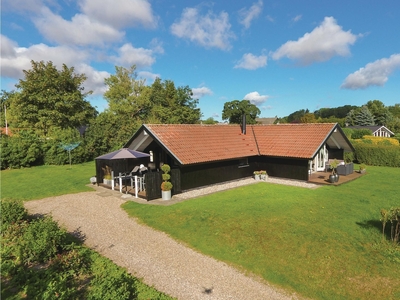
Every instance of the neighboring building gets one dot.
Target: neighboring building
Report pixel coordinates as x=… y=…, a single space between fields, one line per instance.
x=266 y=121
x=201 y=155
x=378 y=130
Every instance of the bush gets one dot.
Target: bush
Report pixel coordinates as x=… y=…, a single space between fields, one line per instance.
x=22 y=150
x=111 y=282
x=12 y=211
x=378 y=140
x=43 y=239
x=348 y=132
x=359 y=133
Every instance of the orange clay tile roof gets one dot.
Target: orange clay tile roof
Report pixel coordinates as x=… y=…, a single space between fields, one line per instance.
x=196 y=143
x=204 y=143
x=292 y=140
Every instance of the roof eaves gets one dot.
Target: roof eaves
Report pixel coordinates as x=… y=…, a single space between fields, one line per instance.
x=133 y=137
x=154 y=136
x=325 y=139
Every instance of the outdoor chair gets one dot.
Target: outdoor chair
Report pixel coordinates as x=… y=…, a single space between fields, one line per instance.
x=134 y=171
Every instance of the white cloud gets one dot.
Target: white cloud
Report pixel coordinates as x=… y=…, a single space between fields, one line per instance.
x=251 y=62
x=31 y=6
x=248 y=15
x=269 y=18
x=81 y=30
x=324 y=42
x=297 y=18
x=95 y=79
x=148 y=76
x=375 y=73
x=129 y=55
x=208 y=30
x=255 y=98
x=201 y=92
x=15 y=59
x=120 y=13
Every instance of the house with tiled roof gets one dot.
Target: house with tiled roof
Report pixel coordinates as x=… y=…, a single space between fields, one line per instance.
x=201 y=155
x=377 y=130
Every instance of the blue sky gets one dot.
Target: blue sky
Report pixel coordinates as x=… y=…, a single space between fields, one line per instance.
x=281 y=55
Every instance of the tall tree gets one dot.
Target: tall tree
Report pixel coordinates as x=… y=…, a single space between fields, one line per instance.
x=171 y=105
x=48 y=98
x=364 y=117
x=127 y=96
x=233 y=112
x=308 y=118
x=382 y=115
x=297 y=115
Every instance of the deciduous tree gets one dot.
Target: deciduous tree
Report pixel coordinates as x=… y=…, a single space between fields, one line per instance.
x=48 y=97
x=234 y=110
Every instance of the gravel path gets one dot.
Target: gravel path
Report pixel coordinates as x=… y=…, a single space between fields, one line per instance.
x=162 y=262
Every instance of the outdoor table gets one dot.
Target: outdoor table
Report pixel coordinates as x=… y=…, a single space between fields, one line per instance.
x=136 y=181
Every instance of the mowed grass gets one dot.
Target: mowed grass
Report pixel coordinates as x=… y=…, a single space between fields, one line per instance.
x=324 y=243
x=46 y=181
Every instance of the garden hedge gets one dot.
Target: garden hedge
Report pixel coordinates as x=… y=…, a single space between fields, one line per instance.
x=377 y=155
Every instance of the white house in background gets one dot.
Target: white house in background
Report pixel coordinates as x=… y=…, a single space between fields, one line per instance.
x=378 y=130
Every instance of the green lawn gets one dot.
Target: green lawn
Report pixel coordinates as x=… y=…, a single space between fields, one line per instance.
x=324 y=243
x=46 y=181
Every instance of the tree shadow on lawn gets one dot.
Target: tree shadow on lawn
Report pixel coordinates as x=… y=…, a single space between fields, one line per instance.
x=368 y=224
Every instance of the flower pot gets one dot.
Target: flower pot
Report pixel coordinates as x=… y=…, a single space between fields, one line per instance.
x=336 y=177
x=332 y=178
x=263 y=177
x=166 y=195
x=107 y=181
x=257 y=177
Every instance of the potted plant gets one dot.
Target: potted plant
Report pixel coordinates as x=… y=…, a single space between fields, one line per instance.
x=257 y=175
x=263 y=175
x=107 y=178
x=363 y=168
x=334 y=177
x=166 y=186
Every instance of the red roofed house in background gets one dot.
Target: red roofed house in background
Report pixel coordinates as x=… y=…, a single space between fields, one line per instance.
x=201 y=155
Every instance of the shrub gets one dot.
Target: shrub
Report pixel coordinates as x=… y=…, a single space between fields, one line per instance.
x=43 y=239
x=12 y=211
x=348 y=157
x=393 y=216
x=166 y=177
x=359 y=133
x=111 y=282
x=166 y=186
x=348 y=132
x=20 y=150
x=378 y=140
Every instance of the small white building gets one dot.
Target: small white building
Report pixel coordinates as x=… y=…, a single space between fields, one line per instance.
x=378 y=130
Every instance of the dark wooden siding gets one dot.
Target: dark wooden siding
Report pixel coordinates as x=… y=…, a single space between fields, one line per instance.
x=290 y=168
x=205 y=174
x=154 y=180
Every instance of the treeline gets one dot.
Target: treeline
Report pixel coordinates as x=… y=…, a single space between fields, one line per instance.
x=49 y=112
x=374 y=112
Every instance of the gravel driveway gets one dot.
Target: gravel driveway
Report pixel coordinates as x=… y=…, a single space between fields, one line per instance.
x=159 y=260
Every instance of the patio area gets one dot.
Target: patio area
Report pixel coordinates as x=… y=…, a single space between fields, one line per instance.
x=323 y=178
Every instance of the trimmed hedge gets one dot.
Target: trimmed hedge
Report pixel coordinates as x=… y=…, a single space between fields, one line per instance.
x=378 y=140
x=377 y=155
